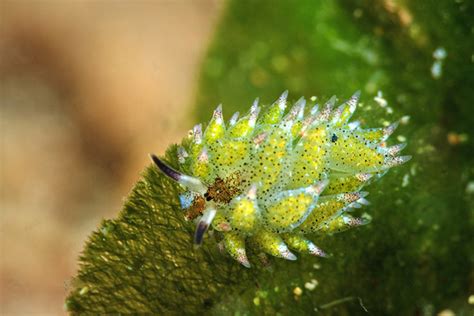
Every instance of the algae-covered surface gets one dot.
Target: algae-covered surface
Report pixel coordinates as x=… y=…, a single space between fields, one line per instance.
x=413 y=60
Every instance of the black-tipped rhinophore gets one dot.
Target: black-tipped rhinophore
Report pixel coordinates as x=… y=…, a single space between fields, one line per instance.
x=167 y=170
x=191 y=183
x=203 y=224
x=201 y=228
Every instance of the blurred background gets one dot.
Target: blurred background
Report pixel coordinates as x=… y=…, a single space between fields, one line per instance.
x=88 y=89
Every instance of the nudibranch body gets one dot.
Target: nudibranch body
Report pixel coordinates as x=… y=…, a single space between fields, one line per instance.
x=266 y=180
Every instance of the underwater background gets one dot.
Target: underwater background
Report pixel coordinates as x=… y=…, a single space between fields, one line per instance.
x=412 y=60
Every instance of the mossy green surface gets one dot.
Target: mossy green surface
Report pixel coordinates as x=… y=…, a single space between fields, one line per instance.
x=144 y=261
x=416 y=257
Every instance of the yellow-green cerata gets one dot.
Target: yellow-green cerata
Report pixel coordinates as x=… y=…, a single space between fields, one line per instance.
x=272 y=176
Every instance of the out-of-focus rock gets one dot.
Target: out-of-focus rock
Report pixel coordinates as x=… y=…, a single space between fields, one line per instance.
x=87 y=90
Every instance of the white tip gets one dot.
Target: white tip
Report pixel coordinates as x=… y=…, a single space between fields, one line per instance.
x=301 y=107
x=314 y=109
x=326 y=112
x=316 y=251
x=330 y=103
x=242 y=258
x=297 y=111
x=234 y=119
x=301 y=103
x=352 y=102
x=197 y=134
x=217 y=115
x=245 y=262
x=396 y=149
x=286 y=253
x=255 y=104
x=363 y=201
x=395 y=161
x=282 y=100
x=254 y=110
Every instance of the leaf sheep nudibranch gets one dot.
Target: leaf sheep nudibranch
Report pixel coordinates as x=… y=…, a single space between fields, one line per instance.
x=266 y=180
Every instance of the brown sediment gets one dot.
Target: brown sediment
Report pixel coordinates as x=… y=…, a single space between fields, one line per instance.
x=223 y=191
x=196 y=208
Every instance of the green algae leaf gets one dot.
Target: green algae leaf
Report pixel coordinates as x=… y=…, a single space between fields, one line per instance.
x=144 y=261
